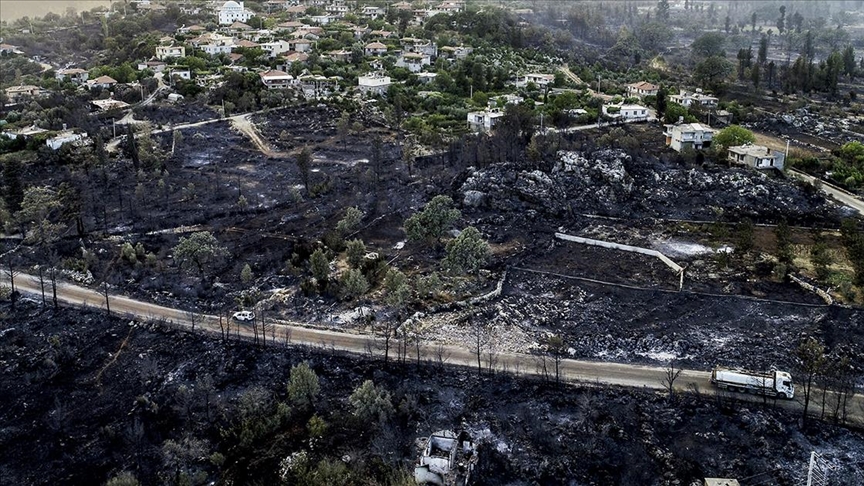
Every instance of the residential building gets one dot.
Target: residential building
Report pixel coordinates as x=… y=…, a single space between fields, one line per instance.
x=372 y=12
x=642 y=88
x=626 y=112
x=165 y=52
x=682 y=136
x=341 y=55
x=290 y=26
x=484 y=121
x=276 y=48
x=26 y=133
x=7 y=49
x=18 y=93
x=64 y=137
x=104 y=82
x=155 y=66
x=460 y=52
x=337 y=9
x=315 y=86
x=375 y=49
x=276 y=79
x=216 y=49
x=323 y=19
x=232 y=11
x=109 y=104
x=300 y=45
x=426 y=78
x=373 y=84
x=382 y=33
x=538 y=79
x=504 y=100
x=686 y=98
x=181 y=72
x=447 y=458
x=421 y=46
x=413 y=61
x=756 y=156
x=75 y=75
x=192 y=29
x=290 y=58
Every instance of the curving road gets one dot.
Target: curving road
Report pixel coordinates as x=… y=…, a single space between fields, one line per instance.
x=604 y=373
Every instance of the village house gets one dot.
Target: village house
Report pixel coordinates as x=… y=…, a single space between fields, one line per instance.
x=341 y=55
x=26 y=133
x=236 y=28
x=155 y=66
x=276 y=5
x=686 y=98
x=109 y=104
x=7 y=49
x=165 y=52
x=295 y=11
x=216 y=49
x=300 y=45
x=338 y=8
x=756 y=156
x=289 y=58
x=64 y=137
x=373 y=84
x=232 y=11
x=426 y=78
x=688 y=136
x=538 y=79
x=315 y=86
x=104 y=82
x=75 y=75
x=375 y=49
x=372 y=11
x=413 y=61
x=384 y=34
x=290 y=26
x=642 y=88
x=504 y=100
x=446 y=458
x=421 y=46
x=626 y=112
x=192 y=29
x=181 y=72
x=276 y=79
x=484 y=121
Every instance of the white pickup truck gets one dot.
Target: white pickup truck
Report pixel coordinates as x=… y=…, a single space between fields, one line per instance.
x=773 y=383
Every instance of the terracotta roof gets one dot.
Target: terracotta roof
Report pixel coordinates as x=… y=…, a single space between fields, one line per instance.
x=103 y=80
x=375 y=45
x=645 y=85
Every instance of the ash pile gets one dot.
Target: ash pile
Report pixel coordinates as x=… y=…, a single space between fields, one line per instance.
x=610 y=182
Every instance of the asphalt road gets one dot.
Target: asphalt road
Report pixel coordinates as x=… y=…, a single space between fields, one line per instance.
x=600 y=373
x=840 y=195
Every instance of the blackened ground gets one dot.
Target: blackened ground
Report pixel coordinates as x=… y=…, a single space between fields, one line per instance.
x=75 y=411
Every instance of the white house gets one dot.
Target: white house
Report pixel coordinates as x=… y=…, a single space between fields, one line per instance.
x=373 y=84
x=276 y=48
x=155 y=66
x=103 y=82
x=276 y=79
x=756 y=156
x=315 y=86
x=626 y=112
x=164 y=52
x=216 y=49
x=18 y=93
x=375 y=49
x=300 y=45
x=372 y=11
x=538 y=79
x=504 y=100
x=64 y=137
x=109 y=104
x=642 y=88
x=693 y=136
x=75 y=75
x=413 y=61
x=685 y=98
x=181 y=72
x=232 y=11
x=484 y=121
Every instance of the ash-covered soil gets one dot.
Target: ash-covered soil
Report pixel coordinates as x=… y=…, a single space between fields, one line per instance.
x=697 y=331
x=85 y=397
x=610 y=182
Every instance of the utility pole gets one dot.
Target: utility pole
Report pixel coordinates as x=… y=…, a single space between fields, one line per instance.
x=107 y=302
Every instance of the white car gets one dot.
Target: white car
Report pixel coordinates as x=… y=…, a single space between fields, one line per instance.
x=244 y=316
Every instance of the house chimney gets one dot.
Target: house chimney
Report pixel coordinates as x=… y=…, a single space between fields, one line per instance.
x=680 y=119
x=64 y=127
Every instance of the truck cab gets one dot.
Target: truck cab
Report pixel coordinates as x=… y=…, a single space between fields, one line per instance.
x=783 y=384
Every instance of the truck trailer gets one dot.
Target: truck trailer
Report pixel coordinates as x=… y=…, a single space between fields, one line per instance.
x=773 y=383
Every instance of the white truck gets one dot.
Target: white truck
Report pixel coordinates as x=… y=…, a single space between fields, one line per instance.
x=773 y=383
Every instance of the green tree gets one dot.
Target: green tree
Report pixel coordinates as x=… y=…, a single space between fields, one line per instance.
x=713 y=71
x=744 y=236
x=350 y=222
x=198 y=250
x=762 y=55
x=397 y=289
x=13 y=193
x=661 y=101
x=319 y=265
x=849 y=62
x=246 y=274
x=732 y=136
x=781 y=22
x=783 y=234
x=431 y=223
x=39 y=206
x=303 y=387
x=675 y=112
x=354 y=284
x=371 y=403
x=355 y=251
x=820 y=257
x=467 y=252
x=709 y=45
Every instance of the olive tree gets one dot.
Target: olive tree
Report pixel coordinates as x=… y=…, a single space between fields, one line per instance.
x=198 y=250
x=349 y=222
x=431 y=223
x=303 y=387
x=371 y=403
x=467 y=252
